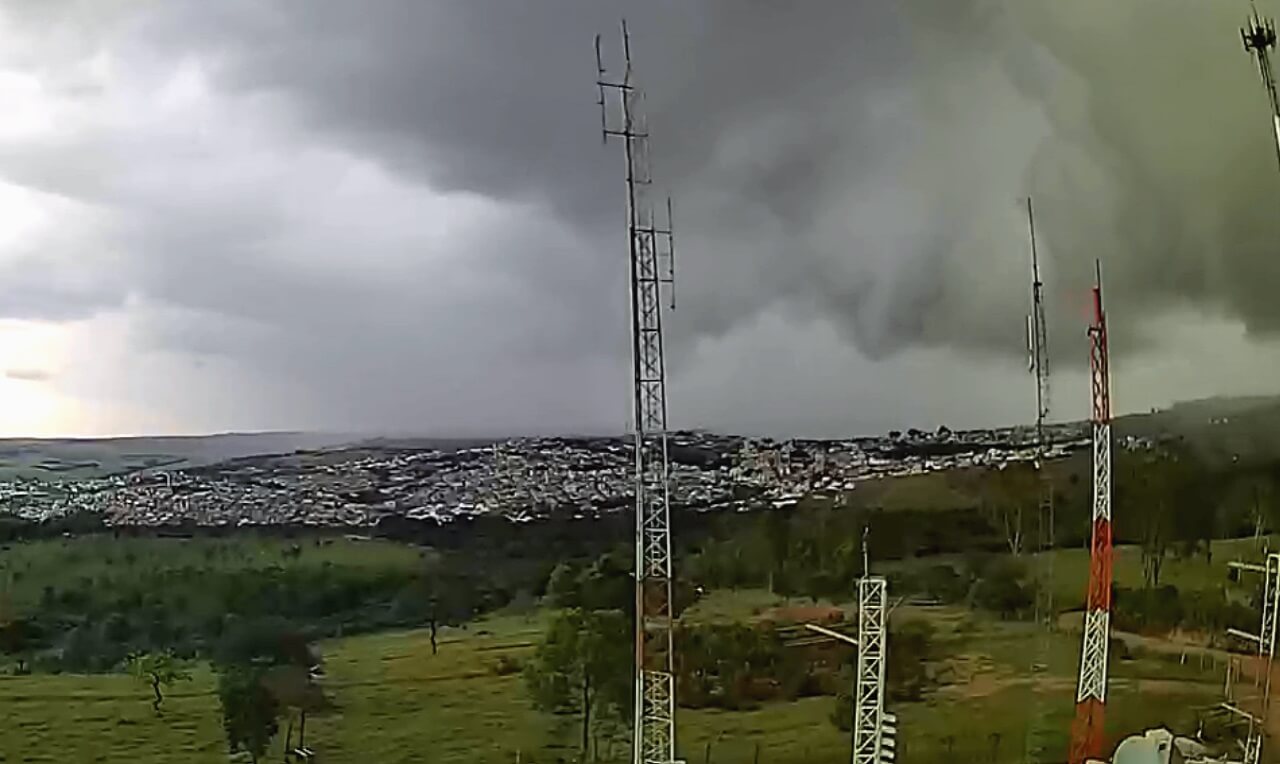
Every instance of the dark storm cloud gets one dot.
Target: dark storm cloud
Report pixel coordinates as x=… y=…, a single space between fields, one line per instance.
x=856 y=163
x=1139 y=126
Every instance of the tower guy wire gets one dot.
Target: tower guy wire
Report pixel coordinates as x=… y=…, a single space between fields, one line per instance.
x=651 y=258
x=1091 y=692
x=1259 y=37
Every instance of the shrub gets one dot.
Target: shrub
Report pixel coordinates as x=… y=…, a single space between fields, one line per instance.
x=507 y=665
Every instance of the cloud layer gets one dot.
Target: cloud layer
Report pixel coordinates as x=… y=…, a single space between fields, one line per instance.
x=398 y=215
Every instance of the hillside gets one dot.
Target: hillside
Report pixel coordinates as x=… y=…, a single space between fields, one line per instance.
x=1220 y=428
x=82 y=458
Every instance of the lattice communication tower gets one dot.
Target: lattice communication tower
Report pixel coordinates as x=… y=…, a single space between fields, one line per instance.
x=1265 y=643
x=1039 y=737
x=1259 y=37
x=1091 y=692
x=652 y=268
x=868 y=699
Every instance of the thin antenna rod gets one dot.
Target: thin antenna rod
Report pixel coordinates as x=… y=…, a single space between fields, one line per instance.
x=866 y=550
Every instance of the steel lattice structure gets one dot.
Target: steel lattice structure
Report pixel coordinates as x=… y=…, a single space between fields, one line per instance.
x=868 y=697
x=1038 y=736
x=651 y=260
x=1265 y=642
x=1091 y=692
x=1259 y=39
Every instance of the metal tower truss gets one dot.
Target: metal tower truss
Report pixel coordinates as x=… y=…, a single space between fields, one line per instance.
x=651 y=260
x=1091 y=692
x=1259 y=39
x=1265 y=643
x=868 y=698
x=1039 y=736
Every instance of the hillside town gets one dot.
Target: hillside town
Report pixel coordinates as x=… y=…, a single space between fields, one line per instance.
x=520 y=479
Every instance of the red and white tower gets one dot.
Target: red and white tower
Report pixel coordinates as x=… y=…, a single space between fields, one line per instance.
x=1091 y=693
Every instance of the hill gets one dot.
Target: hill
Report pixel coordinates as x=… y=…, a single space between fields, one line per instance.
x=1221 y=429
x=81 y=458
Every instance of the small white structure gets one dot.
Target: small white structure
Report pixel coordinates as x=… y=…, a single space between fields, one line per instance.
x=1158 y=746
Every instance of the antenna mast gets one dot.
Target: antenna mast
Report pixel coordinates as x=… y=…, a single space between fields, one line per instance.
x=1037 y=741
x=652 y=266
x=1091 y=693
x=874 y=729
x=1038 y=336
x=1259 y=38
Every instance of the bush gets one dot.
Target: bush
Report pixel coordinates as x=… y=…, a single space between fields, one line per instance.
x=1148 y=610
x=507 y=665
x=943 y=583
x=1003 y=588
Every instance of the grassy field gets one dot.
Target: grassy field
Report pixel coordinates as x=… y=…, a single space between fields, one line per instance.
x=398 y=703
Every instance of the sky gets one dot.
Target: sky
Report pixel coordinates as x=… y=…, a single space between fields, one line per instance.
x=398 y=216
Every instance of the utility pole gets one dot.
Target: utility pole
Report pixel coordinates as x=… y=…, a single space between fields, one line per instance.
x=1259 y=37
x=652 y=267
x=1265 y=642
x=1038 y=734
x=1091 y=692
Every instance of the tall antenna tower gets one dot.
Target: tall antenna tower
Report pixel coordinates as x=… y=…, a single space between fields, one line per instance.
x=874 y=731
x=1037 y=334
x=1259 y=37
x=1265 y=642
x=1037 y=743
x=652 y=265
x=868 y=699
x=1091 y=692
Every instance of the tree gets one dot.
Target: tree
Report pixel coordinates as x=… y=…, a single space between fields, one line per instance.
x=1003 y=588
x=159 y=670
x=250 y=713
x=299 y=694
x=1151 y=489
x=18 y=635
x=264 y=667
x=583 y=667
x=564 y=587
x=1003 y=494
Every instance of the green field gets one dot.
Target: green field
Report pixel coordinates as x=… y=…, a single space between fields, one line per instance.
x=398 y=702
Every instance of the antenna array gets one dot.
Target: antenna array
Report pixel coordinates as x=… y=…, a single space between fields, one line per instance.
x=1259 y=37
x=652 y=267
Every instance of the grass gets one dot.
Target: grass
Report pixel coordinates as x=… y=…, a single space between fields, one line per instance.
x=1071 y=569
x=398 y=702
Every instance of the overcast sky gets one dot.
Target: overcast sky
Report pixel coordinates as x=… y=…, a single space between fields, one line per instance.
x=397 y=215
